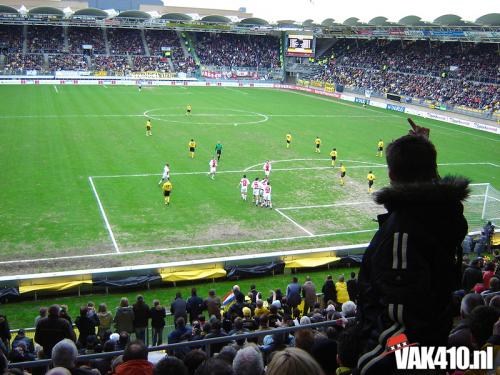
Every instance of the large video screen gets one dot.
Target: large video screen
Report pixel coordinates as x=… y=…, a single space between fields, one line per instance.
x=300 y=45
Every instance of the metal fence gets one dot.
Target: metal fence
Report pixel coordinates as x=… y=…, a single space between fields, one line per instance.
x=203 y=344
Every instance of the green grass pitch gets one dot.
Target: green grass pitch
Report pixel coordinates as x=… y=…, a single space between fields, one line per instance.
x=52 y=139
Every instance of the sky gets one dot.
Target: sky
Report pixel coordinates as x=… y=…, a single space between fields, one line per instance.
x=365 y=10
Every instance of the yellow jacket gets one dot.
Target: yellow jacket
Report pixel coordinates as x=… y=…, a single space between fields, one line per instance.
x=342 y=295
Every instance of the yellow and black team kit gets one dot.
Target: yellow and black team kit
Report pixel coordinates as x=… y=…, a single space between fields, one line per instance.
x=188 y=110
x=148 y=128
x=167 y=189
x=317 y=142
x=333 y=155
x=192 y=148
x=288 y=140
x=342 y=174
x=380 y=148
x=370 y=177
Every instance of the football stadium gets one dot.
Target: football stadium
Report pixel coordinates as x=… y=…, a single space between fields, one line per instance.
x=299 y=197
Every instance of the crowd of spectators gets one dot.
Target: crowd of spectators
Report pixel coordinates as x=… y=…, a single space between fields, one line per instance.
x=196 y=318
x=231 y=50
x=18 y=63
x=11 y=39
x=125 y=42
x=67 y=62
x=334 y=349
x=453 y=73
x=157 y=39
x=112 y=64
x=45 y=39
x=151 y=63
x=78 y=36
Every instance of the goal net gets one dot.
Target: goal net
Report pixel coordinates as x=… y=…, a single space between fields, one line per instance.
x=483 y=205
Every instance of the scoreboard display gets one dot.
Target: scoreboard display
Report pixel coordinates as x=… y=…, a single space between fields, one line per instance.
x=300 y=45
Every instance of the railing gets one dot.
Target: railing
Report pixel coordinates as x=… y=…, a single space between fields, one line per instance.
x=204 y=344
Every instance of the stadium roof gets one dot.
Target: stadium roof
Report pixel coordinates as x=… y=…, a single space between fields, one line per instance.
x=411 y=21
x=328 y=22
x=352 y=21
x=93 y=12
x=379 y=21
x=216 y=19
x=176 y=17
x=491 y=19
x=254 y=21
x=5 y=9
x=449 y=20
x=46 y=11
x=134 y=14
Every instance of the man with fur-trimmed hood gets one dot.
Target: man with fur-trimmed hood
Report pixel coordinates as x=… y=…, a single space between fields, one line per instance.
x=413 y=262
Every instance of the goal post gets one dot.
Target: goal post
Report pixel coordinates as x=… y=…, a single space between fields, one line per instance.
x=483 y=205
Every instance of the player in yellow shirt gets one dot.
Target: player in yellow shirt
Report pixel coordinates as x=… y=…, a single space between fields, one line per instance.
x=288 y=140
x=317 y=142
x=148 y=128
x=333 y=154
x=188 y=109
x=380 y=148
x=192 y=147
x=167 y=189
x=342 y=174
x=370 y=177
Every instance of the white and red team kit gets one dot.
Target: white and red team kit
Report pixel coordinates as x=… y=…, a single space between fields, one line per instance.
x=256 y=189
x=213 y=165
x=267 y=168
x=244 y=185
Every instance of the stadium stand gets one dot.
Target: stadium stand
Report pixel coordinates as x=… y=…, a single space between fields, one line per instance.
x=125 y=42
x=11 y=39
x=447 y=72
x=78 y=36
x=45 y=39
x=237 y=50
x=270 y=322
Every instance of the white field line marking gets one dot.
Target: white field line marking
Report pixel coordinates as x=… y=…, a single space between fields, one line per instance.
x=294 y=222
x=103 y=214
x=250 y=169
x=105 y=86
x=168 y=249
x=421 y=119
x=173 y=115
x=332 y=100
x=55 y=88
x=239 y=91
x=311 y=159
x=325 y=205
x=241 y=171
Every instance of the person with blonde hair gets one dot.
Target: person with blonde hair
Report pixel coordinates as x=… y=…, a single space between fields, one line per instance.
x=293 y=361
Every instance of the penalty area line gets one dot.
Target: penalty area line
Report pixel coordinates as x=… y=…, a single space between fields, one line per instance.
x=294 y=222
x=104 y=216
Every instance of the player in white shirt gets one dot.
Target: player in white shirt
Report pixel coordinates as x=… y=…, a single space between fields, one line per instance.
x=267 y=168
x=267 y=196
x=166 y=174
x=262 y=185
x=213 y=168
x=256 y=190
x=244 y=187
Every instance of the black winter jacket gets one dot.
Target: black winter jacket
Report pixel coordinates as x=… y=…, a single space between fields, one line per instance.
x=411 y=265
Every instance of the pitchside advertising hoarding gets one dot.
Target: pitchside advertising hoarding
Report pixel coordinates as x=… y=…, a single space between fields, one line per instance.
x=300 y=45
